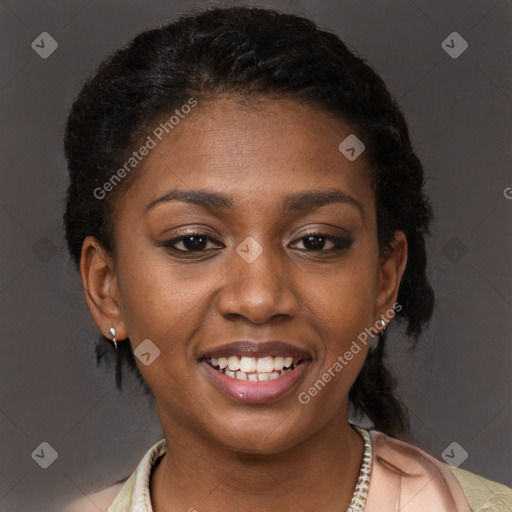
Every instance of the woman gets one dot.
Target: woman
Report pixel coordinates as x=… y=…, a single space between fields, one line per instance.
x=248 y=216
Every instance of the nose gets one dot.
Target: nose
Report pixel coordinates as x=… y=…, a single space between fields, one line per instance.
x=258 y=291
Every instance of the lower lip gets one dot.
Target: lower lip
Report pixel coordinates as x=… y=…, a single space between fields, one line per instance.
x=255 y=392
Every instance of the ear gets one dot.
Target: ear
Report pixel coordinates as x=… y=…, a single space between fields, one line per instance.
x=99 y=282
x=392 y=267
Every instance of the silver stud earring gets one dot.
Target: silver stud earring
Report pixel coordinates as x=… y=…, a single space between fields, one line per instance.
x=383 y=323
x=113 y=332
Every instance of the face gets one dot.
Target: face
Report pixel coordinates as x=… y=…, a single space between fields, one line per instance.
x=278 y=252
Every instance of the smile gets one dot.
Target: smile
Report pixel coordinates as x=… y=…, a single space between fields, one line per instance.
x=254 y=368
x=251 y=380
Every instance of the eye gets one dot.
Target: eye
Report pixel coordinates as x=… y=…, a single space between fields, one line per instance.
x=315 y=241
x=191 y=242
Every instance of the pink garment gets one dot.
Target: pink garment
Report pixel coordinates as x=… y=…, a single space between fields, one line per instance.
x=403 y=479
x=406 y=479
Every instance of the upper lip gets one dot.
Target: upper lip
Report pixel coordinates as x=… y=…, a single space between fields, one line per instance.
x=258 y=349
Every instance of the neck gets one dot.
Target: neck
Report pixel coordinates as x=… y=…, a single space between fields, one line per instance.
x=318 y=474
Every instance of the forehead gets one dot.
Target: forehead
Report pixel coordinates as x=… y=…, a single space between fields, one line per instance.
x=253 y=151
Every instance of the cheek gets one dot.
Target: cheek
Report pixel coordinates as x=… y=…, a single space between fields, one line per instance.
x=158 y=307
x=342 y=300
x=162 y=301
x=342 y=305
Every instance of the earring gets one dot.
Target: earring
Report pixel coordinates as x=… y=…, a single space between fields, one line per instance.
x=113 y=332
x=383 y=323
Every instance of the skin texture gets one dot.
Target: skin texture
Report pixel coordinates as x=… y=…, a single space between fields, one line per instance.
x=222 y=454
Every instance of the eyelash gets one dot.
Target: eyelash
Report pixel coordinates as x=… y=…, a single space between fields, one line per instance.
x=340 y=243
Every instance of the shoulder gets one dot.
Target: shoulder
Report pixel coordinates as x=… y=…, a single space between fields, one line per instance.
x=99 y=500
x=484 y=495
x=422 y=479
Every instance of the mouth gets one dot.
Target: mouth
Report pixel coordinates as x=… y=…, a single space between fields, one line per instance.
x=255 y=372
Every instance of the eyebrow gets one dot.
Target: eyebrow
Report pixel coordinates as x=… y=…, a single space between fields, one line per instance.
x=300 y=201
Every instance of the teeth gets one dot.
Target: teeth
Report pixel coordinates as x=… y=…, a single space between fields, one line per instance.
x=233 y=363
x=253 y=377
x=279 y=363
x=252 y=364
x=265 y=364
x=248 y=364
x=253 y=368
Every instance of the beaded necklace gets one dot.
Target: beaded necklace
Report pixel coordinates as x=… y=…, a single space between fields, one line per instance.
x=358 y=501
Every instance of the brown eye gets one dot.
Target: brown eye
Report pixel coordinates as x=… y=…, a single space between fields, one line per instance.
x=191 y=242
x=194 y=242
x=316 y=242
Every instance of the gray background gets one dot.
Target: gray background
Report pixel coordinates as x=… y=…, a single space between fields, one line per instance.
x=457 y=382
